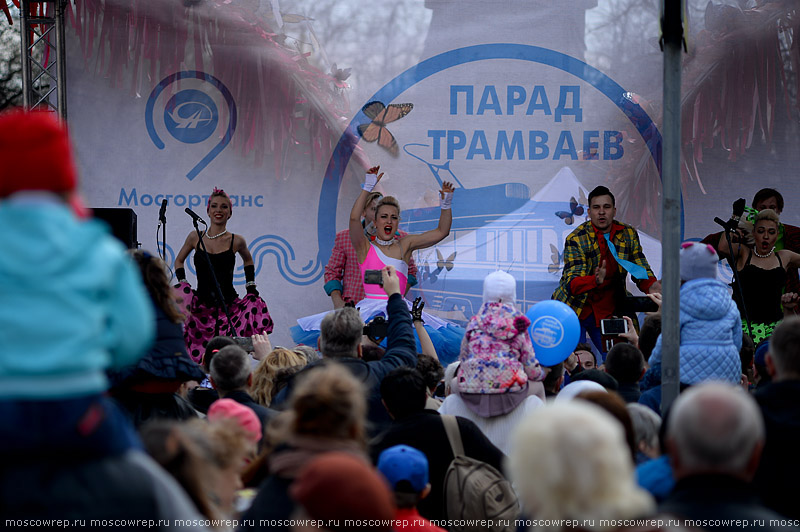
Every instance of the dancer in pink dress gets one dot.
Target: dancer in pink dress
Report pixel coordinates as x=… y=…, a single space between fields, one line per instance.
x=384 y=248
x=206 y=317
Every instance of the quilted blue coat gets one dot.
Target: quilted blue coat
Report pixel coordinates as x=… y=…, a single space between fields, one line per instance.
x=711 y=333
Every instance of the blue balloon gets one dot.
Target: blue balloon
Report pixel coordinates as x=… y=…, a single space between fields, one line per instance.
x=555 y=330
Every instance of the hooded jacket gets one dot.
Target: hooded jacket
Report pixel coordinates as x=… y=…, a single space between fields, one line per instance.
x=72 y=303
x=711 y=334
x=496 y=353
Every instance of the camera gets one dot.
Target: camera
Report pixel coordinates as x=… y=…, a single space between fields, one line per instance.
x=377 y=329
x=245 y=342
x=373 y=277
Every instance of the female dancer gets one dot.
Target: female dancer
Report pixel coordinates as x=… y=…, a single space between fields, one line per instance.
x=762 y=272
x=383 y=249
x=206 y=315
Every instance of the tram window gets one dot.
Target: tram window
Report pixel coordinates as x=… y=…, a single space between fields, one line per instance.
x=486 y=248
x=532 y=249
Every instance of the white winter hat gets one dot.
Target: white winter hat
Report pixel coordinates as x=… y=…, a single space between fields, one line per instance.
x=499 y=287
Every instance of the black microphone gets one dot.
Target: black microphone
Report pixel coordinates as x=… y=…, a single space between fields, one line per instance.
x=194 y=216
x=162 y=213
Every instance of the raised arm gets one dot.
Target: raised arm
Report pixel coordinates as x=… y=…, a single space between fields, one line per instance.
x=425 y=341
x=180 y=259
x=738 y=240
x=434 y=236
x=356 y=230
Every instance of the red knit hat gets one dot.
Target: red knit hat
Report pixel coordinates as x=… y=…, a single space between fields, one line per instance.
x=338 y=485
x=35 y=153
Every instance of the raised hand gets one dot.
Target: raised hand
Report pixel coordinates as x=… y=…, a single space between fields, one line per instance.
x=600 y=273
x=447 y=187
x=416 y=309
x=630 y=335
x=655 y=288
x=391 y=283
x=261 y=346
x=372 y=178
x=374 y=170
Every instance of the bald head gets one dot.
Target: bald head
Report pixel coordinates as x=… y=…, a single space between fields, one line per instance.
x=715 y=428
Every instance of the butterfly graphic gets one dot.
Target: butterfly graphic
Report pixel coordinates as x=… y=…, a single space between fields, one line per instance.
x=340 y=75
x=380 y=116
x=556 y=257
x=428 y=275
x=442 y=263
x=575 y=209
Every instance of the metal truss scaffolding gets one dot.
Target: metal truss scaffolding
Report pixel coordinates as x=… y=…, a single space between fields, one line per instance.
x=44 y=67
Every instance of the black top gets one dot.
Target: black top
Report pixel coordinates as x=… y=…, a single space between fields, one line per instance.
x=778 y=471
x=243 y=398
x=425 y=431
x=762 y=292
x=223 y=264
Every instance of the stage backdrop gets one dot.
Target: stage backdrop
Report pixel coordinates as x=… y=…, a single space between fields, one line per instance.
x=525 y=105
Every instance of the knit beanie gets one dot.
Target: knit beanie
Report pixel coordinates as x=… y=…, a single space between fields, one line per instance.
x=244 y=416
x=36 y=154
x=698 y=261
x=499 y=287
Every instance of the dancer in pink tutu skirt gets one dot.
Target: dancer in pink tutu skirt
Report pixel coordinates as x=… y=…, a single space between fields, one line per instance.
x=206 y=316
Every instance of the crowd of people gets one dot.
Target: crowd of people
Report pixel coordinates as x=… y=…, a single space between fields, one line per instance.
x=127 y=400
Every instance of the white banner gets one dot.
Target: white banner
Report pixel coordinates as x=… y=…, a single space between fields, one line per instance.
x=525 y=105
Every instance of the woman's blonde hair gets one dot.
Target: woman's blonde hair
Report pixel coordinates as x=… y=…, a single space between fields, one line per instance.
x=570 y=461
x=749 y=228
x=263 y=387
x=767 y=214
x=388 y=200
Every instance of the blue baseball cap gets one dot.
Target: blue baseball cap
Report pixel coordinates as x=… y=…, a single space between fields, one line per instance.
x=402 y=462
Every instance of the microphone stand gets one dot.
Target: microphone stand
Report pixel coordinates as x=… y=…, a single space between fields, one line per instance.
x=216 y=283
x=163 y=250
x=736 y=280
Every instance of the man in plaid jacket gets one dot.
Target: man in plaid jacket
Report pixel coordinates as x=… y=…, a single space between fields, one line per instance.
x=343 y=282
x=593 y=282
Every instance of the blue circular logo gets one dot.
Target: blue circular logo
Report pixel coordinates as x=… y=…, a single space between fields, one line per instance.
x=191 y=116
x=547 y=331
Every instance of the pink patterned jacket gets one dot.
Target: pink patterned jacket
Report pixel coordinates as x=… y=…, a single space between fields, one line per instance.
x=496 y=353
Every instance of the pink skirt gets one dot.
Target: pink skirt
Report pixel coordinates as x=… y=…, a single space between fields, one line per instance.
x=249 y=315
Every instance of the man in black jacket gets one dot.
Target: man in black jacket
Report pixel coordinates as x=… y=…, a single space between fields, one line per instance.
x=625 y=363
x=340 y=340
x=778 y=472
x=404 y=395
x=715 y=435
x=231 y=376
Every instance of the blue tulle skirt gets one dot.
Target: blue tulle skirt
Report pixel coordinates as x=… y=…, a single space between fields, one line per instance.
x=446 y=336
